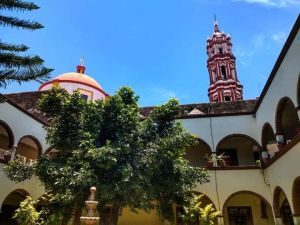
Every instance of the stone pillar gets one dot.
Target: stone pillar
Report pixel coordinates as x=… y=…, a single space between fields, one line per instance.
x=280 y=140
x=278 y=221
x=220 y=220
x=296 y=219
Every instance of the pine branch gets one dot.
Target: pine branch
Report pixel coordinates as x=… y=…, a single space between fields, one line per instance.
x=12 y=48
x=10 y=60
x=15 y=22
x=24 y=75
x=17 y=5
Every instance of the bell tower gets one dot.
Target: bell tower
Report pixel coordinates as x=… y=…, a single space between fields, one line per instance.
x=224 y=83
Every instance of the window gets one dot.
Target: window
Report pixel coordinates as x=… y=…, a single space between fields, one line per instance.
x=220 y=50
x=227 y=98
x=223 y=72
x=85 y=97
x=240 y=215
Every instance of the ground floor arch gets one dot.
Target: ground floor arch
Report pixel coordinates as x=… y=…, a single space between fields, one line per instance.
x=205 y=200
x=296 y=196
x=247 y=208
x=10 y=204
x=282 y=207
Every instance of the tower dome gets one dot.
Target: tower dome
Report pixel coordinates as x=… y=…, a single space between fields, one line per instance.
x=89 y=88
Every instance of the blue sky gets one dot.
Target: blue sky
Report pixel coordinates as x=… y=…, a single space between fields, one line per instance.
x=157 y=47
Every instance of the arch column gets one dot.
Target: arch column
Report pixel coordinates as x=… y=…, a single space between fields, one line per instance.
x=296 y=219
x=220 y=220
x=298 y=113
x=278 y=221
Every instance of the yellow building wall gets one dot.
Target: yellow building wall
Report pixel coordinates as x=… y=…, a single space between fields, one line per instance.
x=141 y=218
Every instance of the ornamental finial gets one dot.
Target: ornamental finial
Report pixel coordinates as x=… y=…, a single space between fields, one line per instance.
x=82 y=61
x=216 y=25
x=81 y=67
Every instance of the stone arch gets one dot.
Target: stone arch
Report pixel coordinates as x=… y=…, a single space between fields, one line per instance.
x=205 y=200
x=298 y=91
x=6 y=142
x=255 y=207
x=296 y=196
x=239 y=149
x=267 y=135
x=6 y=131
x=29 y=147
x=287 y=120
x=197 y=154
x=281 y=206
x=10 y=204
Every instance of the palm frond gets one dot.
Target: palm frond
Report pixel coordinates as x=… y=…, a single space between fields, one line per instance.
x=37 y=73
x=10 y=60
x=17 y=5
x=15 y=22
x=12 y=47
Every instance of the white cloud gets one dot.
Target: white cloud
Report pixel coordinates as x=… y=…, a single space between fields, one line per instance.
x=272 y=3
x=279 y=37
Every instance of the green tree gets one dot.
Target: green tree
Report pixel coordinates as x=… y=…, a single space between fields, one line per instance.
x=133 y=162
x=26 y=213
x=13 y=66
x=193 y=210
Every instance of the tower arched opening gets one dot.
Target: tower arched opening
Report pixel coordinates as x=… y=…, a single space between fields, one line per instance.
x=10 y=204
x=223 y=72
x=287 y=120
x=28 y=148
x=238 y=150
x=246 y=207
x=282 y=208
x=197 y=154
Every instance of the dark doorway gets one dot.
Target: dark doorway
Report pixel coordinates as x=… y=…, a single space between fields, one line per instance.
x=230 y=156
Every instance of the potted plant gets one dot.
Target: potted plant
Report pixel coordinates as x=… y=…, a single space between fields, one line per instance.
x=214 y=160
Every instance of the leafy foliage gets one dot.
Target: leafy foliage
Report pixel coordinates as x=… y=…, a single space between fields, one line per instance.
x=15 y=67
x=18 y=171
x=133 y=163
x=26 y=214
x=194 y=211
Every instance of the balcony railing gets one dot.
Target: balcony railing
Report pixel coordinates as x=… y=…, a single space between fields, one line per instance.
x=25 y=159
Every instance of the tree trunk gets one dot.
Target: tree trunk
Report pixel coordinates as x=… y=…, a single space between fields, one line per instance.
x=78 y=212
x=101 y=210
x=65 y=220
x=115 y=214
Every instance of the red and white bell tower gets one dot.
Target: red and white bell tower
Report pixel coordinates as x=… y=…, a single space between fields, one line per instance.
x=224 y=84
